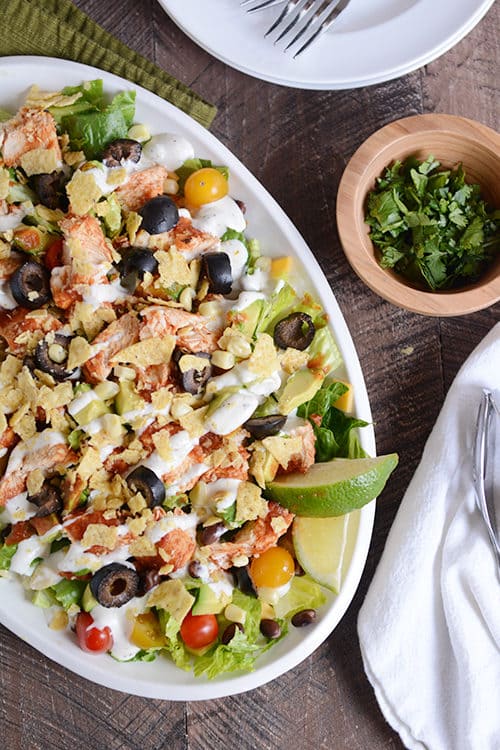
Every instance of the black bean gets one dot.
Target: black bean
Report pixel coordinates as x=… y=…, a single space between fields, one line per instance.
x=229 y=632
x=210 y=534
x=270 y=628
x=243 y=580
x=303 y=618
x=149 y=580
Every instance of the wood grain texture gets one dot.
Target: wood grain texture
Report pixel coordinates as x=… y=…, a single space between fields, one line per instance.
x=297 y=143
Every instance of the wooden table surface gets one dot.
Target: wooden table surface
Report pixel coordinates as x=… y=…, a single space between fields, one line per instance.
x=297 y=143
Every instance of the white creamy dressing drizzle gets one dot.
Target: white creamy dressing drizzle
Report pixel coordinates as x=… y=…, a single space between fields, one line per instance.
x=271 y=594
x=245 y=299
x=33 y=445
x=194 y=471
x=96 y=295
x=28 y=550
x=258 y=281
x=14 y=218
x=7 y=301
x=181 y=445
x=214 y=218
x=185 y=522
x=168 y=149
x=238 y=257
x=81 y=401
x=18 y=508
x=120 y=620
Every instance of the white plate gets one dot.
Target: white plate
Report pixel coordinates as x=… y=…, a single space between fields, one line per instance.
x=371 y=41
x=161 y=679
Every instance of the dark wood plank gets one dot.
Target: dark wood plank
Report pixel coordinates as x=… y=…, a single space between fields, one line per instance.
x=297 y=143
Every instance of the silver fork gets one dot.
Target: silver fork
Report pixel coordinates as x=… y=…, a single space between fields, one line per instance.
x=308 y=18
x=484 y=461
x=260 y=5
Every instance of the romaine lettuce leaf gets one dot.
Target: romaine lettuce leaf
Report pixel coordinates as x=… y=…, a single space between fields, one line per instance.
x=304 y=593
x=68 y=592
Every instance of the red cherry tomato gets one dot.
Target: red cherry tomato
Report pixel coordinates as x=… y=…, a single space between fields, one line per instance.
x=91 y=639
x=53 y=254
x=198 y=631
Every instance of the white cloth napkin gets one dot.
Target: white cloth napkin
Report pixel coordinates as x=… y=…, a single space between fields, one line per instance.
x=429 y=627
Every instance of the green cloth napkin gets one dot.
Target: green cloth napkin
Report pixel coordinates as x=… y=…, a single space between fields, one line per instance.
x=57 y=28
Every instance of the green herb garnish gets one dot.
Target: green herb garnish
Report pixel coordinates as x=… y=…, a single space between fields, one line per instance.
x=432 y=226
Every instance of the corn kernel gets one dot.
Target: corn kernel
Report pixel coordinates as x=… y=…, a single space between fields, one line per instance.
x=124 y=373
x=57 y=353
x=171 y=187
x=223 y=360
x=186 y=298
x=234 y=613
x=209 y=309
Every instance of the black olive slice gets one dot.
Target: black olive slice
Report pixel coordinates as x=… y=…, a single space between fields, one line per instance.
x=159 y=215
x=262 y=427
x=30 y=285
x=48 y=500
x=50 y=189
x=192 y=379
x=217 y=268
x=146 y=482
x=243 y=580
x=134 y=264
x=296 y=330
x=114 y=585
x=44 y=361
x=120 y=150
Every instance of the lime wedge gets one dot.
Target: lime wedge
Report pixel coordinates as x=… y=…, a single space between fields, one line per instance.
x=334 y=487
x=320 y=546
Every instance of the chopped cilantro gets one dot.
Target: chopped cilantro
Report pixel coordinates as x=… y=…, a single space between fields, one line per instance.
x=432 y=226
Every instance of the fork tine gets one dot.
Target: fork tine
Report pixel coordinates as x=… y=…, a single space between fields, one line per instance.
x=336 y=9
x=297 y=17
x=262 y=5
x=289 y=7
x=309 y=18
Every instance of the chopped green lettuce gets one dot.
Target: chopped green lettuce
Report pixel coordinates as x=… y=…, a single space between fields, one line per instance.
x=304 y=593
x=323 y=352
x=7 y=552
x=68 y=592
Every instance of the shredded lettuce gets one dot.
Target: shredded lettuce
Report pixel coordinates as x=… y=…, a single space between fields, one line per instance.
x=304 y=593
x=7 y=552
x=68 y=592
x=90 y=122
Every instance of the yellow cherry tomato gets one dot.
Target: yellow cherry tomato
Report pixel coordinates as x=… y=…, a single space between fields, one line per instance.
x=147 y=632
x=273 y=568
x=204 y=186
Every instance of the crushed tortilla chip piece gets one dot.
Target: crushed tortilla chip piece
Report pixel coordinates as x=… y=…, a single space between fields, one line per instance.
x=39 y=161
x=101 y=535
x=153 y=351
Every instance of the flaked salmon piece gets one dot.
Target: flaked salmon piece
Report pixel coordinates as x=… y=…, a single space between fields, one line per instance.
x=190 y=240
x=178 y=547
x=47 y=457
x=152 y=378
x=303 y=459
x=141 y=187
x=116 y=336
x=20 y=320
x=236 y=466
x=254 y=538
x=63 y=293
x=28 y=130
x=191 y=330
x=8 y=439
x=85 y=245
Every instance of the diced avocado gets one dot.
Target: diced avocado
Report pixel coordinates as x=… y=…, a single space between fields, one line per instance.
x=263 y=465
x=94 y=409
x=208 y=602
x=88 y=600
x=249 y=318
x=300 y=387
x=127 y=399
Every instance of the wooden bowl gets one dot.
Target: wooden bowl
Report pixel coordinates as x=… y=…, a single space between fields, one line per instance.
x=451 y=140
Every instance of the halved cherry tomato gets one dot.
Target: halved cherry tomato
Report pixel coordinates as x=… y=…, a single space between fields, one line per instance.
x=274 y=567
x=53 y=254
x=91 y=639
x=198 y=631
x=204 y=186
